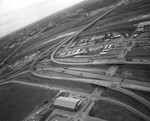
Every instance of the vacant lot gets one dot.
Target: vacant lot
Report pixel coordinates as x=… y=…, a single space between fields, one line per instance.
x=135 y=72
x=18 y=101
x=112 y=112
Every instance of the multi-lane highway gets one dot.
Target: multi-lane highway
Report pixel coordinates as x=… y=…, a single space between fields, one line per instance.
x=93 y=70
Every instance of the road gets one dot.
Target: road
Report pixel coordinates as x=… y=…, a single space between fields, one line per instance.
x=133 y=84
x=84 y=28
x=71 y=71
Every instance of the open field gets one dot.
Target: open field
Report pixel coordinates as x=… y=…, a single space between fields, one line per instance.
x=109 y=111
x=135 y=72
x=17 y=101
x=127 y=100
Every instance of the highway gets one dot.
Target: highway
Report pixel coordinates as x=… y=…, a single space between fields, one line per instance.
x=112 y=82
x=71 y=71
x=118 y=81
x=84 y=28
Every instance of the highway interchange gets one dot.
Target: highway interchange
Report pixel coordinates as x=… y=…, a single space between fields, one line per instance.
x=86 y=70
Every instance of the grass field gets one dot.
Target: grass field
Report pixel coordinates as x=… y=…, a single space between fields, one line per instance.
x=17 y=101
x=127 y=100
x=135 y=72
x=112 y=112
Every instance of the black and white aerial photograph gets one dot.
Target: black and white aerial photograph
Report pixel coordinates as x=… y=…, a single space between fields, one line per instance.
x=74 y=60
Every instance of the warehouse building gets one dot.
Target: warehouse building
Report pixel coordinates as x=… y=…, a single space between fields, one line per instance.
x=67 y=103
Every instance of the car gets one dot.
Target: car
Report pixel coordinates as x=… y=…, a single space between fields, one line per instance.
x=62 y=54
x=106 y=46
x=63 y=70
x=116 y=36
x=110 y=46
x=107 y=39
x=128 y=59
x=135 y=35
x=103 y=53
x=105 y=50
x=65 y=67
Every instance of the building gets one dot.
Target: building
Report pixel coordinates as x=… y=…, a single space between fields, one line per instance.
x=144 y=24
x=68 y=103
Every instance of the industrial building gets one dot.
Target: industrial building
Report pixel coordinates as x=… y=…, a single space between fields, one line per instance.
x=68 y=103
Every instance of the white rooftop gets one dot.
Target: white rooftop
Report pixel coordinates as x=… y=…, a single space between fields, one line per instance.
x=67 y=102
